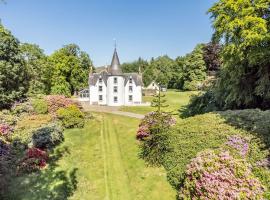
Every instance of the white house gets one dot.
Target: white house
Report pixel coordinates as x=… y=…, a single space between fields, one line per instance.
x=152 y=86
x=113 y=88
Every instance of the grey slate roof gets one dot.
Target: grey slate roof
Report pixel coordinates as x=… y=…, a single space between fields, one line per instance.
x=115 y=70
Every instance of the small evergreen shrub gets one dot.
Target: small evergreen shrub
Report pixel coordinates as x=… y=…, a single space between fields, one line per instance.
x=220 y=176
x=47 y=137
x=71 y=117
x=40 y=106
x=57 y=101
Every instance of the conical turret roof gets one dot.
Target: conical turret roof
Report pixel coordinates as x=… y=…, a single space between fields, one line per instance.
x=115 y=68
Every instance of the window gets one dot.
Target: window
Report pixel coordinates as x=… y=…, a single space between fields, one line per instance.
x=115 y=80
x=100 y=80
x=130 y=98
x=115 y=99
x=130 y=80
x=84 y=93
x=130 y=89
x=153 y=84
x=100 y=97
x=115 y=89
x=100 y=88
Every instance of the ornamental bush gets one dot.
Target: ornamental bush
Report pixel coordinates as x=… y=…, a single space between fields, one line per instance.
x=6 y=131
x=153 y=134
x=71 y=117
x=220 y=176
x=40 y=106
x=47 y=137
x=34 y=160
x=20 y=108
x=57 y=101
x=151 y=120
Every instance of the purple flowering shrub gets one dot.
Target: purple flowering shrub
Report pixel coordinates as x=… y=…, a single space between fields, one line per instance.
x=238 y=144
x=151 y=120
x=220 y=176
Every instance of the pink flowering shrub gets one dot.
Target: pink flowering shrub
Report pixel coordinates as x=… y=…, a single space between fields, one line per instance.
x=152 y=120
x=220 y=176
x=57 y=101
x=239 y=144
x=34 y=160
x=5 y=130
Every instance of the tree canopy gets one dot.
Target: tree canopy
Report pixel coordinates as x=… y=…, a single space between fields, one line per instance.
x=70 y=68
x=244 y=26
x=14 y=78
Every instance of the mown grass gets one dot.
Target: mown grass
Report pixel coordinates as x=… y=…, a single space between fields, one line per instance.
x=175 y=100
x=97 y=162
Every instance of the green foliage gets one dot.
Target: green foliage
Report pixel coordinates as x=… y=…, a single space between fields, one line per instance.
x=203 y=103
x=70 y=70
x=71 y=117
x=13 y=72
x=159 y=101
x=194 y=69
x=38 y=68
x=48 y=136
x=245 y=29
x=40 y=106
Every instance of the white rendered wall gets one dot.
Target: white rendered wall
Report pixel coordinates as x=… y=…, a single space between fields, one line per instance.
x=152 y=87
x=120 y=92
x=94 y=93
x=136 y=94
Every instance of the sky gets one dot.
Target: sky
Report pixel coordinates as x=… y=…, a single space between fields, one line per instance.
x=142 y=28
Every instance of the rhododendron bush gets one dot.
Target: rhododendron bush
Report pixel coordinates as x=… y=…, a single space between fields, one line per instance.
x=57 y=101
x=34 y=159
x=152 y=120
x=220 y=176
x=153 y=134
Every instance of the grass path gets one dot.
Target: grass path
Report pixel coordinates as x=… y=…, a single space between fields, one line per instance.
x=98 y=162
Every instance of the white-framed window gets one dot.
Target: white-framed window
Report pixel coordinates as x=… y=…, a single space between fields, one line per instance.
x=130 y=88
x=130 y=98
x=115 y=99
x=100 y=80
x=130 y=80
x=115 y=89
x=115 y=80
x=84 y=93
x=100 y=98
x=100 y=88
x=153 y=84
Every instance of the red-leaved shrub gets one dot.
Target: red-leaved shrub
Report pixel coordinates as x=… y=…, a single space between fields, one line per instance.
x=34 y=159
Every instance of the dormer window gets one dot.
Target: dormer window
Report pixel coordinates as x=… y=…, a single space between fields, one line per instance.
x=114 y=80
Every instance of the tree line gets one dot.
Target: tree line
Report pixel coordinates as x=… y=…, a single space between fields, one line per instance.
x=25 y=70
x=184 y=73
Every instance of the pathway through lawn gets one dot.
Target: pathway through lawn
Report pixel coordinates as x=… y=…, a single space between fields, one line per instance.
x=114 y=172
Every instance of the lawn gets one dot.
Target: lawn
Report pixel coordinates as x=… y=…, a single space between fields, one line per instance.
x=99 y=161
x=175 y=99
